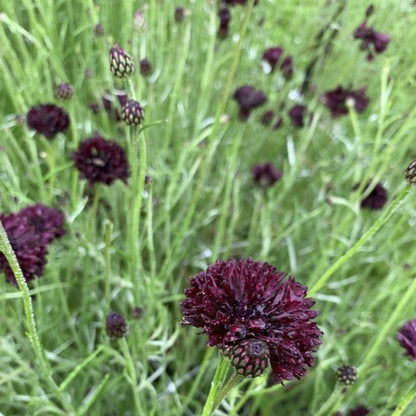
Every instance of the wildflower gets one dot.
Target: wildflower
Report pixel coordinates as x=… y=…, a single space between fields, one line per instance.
x=407 y=338
x=101 y=160
x=64 y=91
x=225 y=18
x=265 y=174
x=371 y=40
x=137 y=312
x=27 y=245
x=287 y=67
x=145 y=67
x=132 y=113
x=116 y=326
x=139 y=20
x=46 y=222
x=376 y=199
x=99 y=30
x=121 y=64
x=250 y=311
x=272 y=56
x=410 y=173
x=296 y=114
x=359 y=411
x=248 y=98
x=347 y=374
x=47 y=119
x=179 y=14
x=336 y=100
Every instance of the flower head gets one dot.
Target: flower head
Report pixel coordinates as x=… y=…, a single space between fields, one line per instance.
x=410 y=173
x=371 y=40
x=376 y=199
x=132 y=113
x=64 y=91
x=296 y=114
x=116 y=326
x=347 y=374
x=336 y=100
x=121 y=64
x=101 y=160
x=225 y=18
x=47 y=119
x=265 y=174
x=238 y=302
x=272 y=56
x=145 y=67
x=359 y=411
x=287 y=67
x=407 y=338
x=248 y=98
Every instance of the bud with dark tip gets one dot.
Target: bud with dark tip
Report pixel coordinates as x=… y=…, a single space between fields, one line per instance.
x=250 y=357
x=132 y=113
x=116 y=326
x=121 y=64
x=410 y=173
x=145 y=67
x=347 y=374
x=64 y=91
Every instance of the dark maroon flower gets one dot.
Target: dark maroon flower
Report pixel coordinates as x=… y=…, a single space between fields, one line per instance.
x=179 y=14
x=287 y=67
x=336 y=100
x=410 y=173
x=27 y=245
x=145 y=67
x=225 y=18
x=121 y=64
x=132 y=113
x=101 y=160
x=272 y=56
x=407 y=338
x=376 y=199
x=236 y=301
x=45 y=221
x=116 y=326
x=296 y=115
x=99 y=30
x=265 y=174
x=371 y=40
x=47 y=119
x=64 y=91
x=359 y=411
x=347 y=374
x=137 y=312
x=248 y=98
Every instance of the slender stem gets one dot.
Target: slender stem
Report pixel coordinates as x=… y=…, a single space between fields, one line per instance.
x=374 y=228
x=108 y=227
x=405 y=401
x=332 y=402
x=232 y=381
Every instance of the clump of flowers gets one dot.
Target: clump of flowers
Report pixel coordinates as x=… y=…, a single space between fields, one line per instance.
x=371 y=40
x=101 y=160
x=121 y=64
x=132 y=113
x=336 y=100
x=248 y=98
x=296 y=114
x=47 y=119
x=265 y=174
x=347 y=374
x=254 y=315
x=407 y=338
x=376 y=199
x=116 y=326
x=64 y=91
x=30 y=231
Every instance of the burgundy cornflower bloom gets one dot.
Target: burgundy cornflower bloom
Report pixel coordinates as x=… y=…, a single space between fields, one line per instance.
x=47 y=119
x=27 y=245
x=248 y=98
x=101 y=160
x=336 y=100
x=407 y=338
x=248 y=308
x=45 y=221
x=265 y=174
x=272 y=55
x=296 y=115
x=225 y=18
x=287 y=67
x=376 y=199
x=359 y=411
x=371 y=40
x=116 y=326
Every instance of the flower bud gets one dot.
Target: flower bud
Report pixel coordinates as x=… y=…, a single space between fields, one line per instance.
x=121 y=64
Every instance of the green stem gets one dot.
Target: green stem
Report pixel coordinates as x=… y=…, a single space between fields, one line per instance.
x=404 y=402
x=374 y=228
x=108 y=227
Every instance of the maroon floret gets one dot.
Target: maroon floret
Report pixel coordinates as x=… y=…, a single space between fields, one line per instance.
x=376 y=199
x=265 y=174
x=47 y=119
x=296 y=114
x=101 y=160
x=272 y=56
x=233 y=301
x=336 y=100
x=371 y=40
x=116 y=326
x=248 y=98
x=407 y=338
